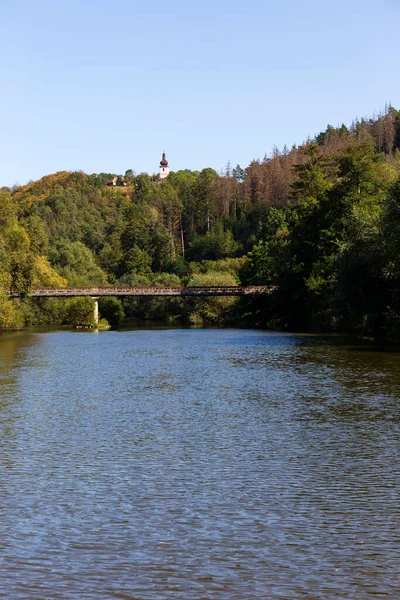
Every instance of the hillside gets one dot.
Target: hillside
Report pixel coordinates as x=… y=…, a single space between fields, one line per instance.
x=321 y=220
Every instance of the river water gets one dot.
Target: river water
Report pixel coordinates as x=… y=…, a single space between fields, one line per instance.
x=198 y=464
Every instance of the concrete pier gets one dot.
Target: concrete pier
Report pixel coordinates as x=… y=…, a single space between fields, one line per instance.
x=96 y=310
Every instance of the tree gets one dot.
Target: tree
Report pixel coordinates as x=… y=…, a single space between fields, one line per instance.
x=204 y=193
x=214 y=245
x=137 y=261
x=129 y=176
x=76 y=263
x=211 y=310
x=112 y=310
x=80 y=312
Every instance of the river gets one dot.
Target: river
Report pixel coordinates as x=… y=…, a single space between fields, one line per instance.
x=198 y=464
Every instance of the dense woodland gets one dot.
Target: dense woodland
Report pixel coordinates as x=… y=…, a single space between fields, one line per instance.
x=321 y=221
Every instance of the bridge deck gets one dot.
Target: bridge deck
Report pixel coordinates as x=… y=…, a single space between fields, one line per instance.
x=147 y=291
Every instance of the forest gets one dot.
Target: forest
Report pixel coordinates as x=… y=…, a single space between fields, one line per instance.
x=321 y=221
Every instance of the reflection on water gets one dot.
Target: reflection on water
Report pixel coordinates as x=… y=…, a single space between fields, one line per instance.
x=197 y=464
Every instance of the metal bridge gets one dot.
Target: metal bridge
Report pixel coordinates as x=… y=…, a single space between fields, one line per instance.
x=97 y=292
x=236 y=290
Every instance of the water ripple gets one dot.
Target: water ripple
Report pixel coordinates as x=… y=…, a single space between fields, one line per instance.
x=219 y=464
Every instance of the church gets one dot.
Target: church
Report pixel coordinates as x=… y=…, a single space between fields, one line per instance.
x=164 y=168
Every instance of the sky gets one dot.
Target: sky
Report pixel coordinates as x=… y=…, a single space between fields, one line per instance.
x=105 y=86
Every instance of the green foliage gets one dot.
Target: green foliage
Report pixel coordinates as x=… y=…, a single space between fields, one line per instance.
x=212 y=310
x=129 y=176
x=38 y=236
x=177 y=267
x=76 y=263
x=320 y=221
x=312 y=183
x=214 y=245
x=326 y=252
x=158 y=307
x=79 y=312
x=226 y=265
x=137 y=261
x=42 y=311
x=8 y=315
x=112 y=310
x=265 y=261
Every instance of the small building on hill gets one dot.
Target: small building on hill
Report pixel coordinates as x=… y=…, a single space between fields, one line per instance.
x=116 y=181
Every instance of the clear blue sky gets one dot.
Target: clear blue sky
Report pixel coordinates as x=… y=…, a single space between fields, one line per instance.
x=106 y=86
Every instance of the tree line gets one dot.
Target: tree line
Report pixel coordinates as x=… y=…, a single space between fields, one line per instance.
x=320 y=220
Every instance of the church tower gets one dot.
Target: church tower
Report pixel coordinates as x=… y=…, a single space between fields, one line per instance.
x=164 y=168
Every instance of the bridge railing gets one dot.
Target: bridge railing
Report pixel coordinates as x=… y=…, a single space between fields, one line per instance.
x=94 y=291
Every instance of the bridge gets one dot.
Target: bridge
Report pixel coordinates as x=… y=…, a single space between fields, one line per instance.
x=98 y=292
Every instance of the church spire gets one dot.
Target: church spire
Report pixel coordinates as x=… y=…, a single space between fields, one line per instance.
x=164 y=169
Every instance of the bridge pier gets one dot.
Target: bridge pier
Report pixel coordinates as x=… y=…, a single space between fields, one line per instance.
x=96 y=309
